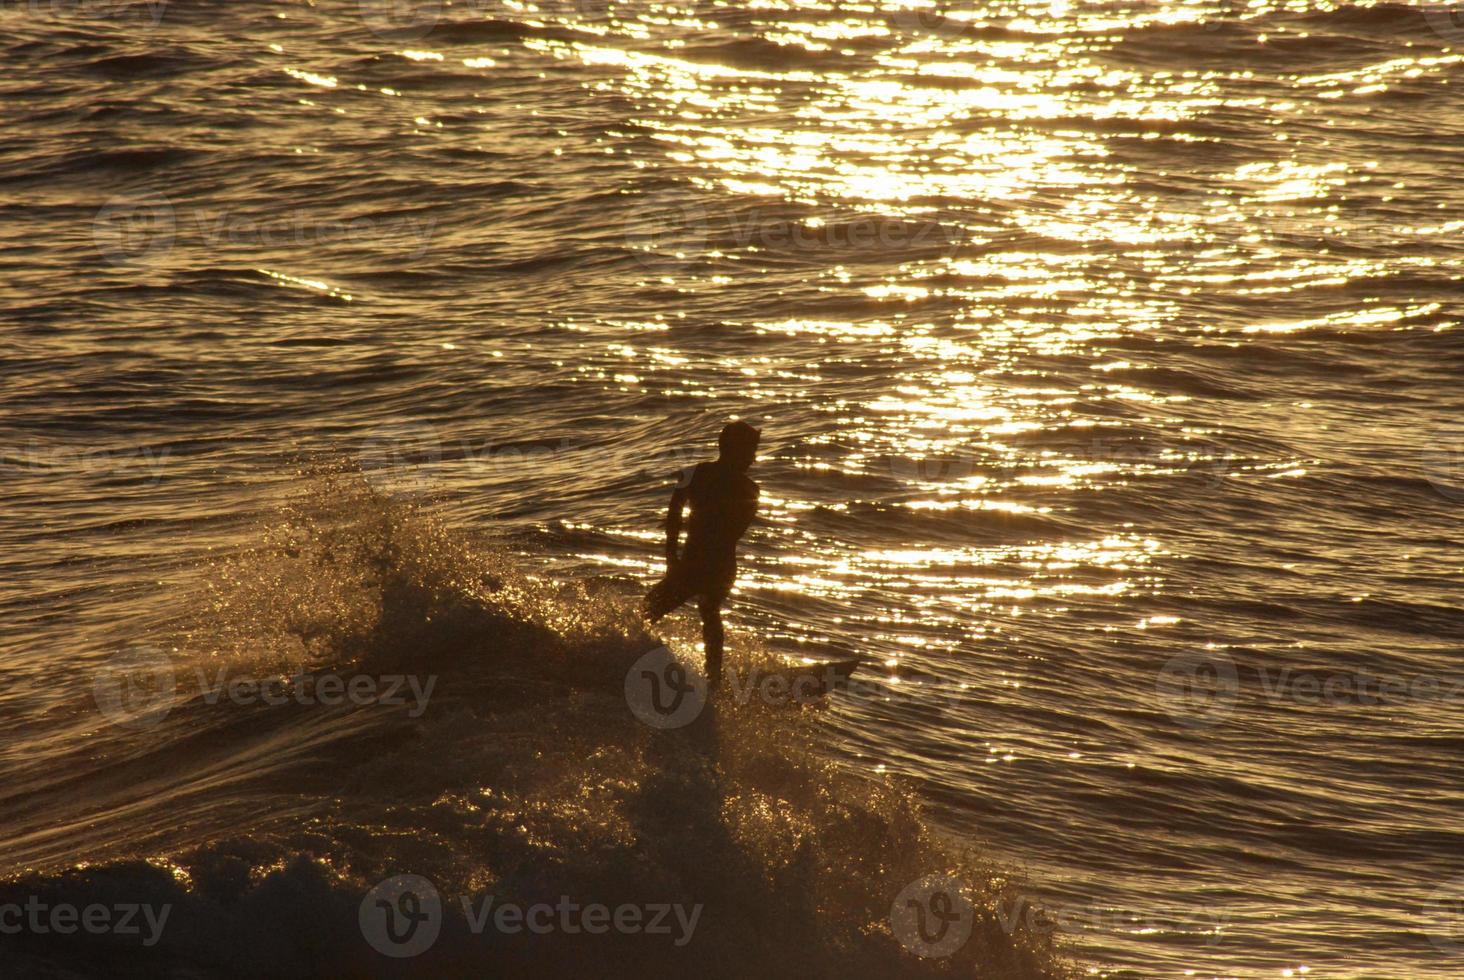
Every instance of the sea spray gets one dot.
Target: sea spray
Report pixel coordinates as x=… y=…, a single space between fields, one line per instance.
x=526 y=779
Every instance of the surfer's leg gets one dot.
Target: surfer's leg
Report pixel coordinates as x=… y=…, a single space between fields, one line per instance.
x=710 y=608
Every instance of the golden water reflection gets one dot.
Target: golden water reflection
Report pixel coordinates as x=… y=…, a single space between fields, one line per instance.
x=1074 y=237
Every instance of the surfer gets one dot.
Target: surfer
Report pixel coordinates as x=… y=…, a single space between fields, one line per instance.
x=723 y=500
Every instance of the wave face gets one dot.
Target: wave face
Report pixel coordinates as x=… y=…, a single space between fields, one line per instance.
x=508 y=771
x=1107 y=357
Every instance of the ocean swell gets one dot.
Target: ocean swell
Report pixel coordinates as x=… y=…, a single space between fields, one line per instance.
x=524 y=778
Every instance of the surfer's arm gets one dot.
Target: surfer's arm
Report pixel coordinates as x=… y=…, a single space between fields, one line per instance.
x=673 y=523
x=747 y=509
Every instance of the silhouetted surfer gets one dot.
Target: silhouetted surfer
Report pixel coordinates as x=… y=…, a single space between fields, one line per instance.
x=723 y=501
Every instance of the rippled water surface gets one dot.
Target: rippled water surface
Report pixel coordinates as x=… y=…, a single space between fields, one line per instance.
x=1106 y=355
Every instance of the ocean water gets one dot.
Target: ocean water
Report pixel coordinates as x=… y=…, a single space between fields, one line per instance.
x=1108 y=365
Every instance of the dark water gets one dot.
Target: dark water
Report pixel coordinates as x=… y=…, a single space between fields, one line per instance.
x=1108 y=365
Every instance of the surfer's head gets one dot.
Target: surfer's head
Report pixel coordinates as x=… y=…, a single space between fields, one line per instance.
x=738 y=443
